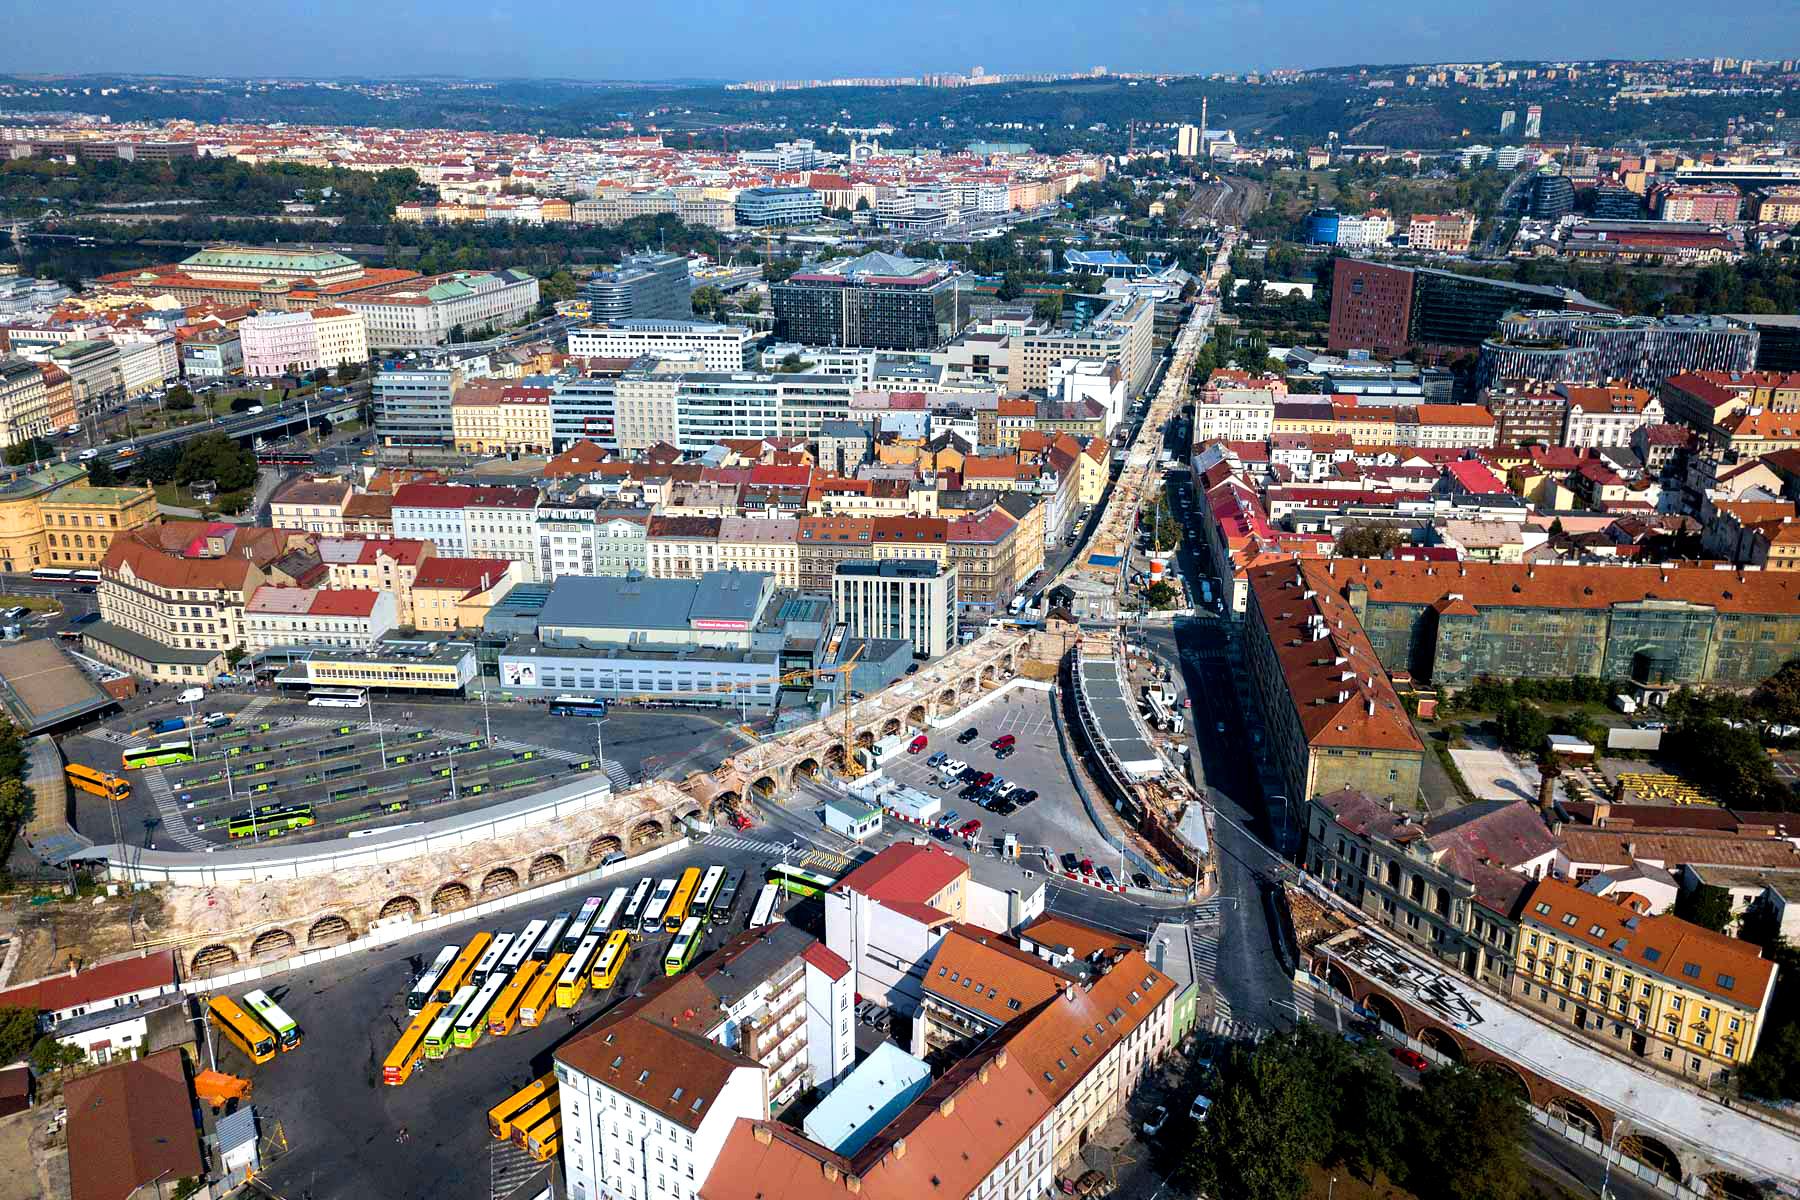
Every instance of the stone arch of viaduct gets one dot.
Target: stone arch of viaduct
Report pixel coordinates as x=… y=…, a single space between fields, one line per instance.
x=289 y=918
x=1678 y=1162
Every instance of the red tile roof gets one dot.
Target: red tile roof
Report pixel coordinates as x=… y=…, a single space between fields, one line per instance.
x=905 y=873
x=469 y=575
x=129 y=1125
x=101 y=982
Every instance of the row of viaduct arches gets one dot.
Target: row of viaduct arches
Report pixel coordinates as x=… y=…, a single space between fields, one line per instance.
x=1559 y=1102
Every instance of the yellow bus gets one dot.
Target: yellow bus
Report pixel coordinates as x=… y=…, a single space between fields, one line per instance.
x=458 y=974
x=677 y=911
x=398 y=1066
x=242 y=1030
x=540 y=1111
x=500 y=1116
x=506 y=1005
x=543 y=1139
x=538 y=997
x=98 y=782
x=574 y=979
x=612 y=959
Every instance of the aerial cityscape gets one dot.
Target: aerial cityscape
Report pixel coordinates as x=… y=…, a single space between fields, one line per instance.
x=1079 y=606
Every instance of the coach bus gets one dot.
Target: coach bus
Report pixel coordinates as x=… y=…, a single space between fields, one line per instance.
x=727 y=898
x=271 y=820
x=275 y=1017
x=574 y=979
x=635 y=908
x=541 y=994
x=457 y=974
x=611 y=959
x=707 y=892
x=551 y=939
x=687 y=943
x=544 y=1139
x=490 y=958
x=471 y=1023
x=799 y=881
x=338 y=698
x=242 y=1030
x=500 y=1117
x=764 y=912
x=397 y=1068
x=520 y=951
x=158 y=754
x=425 y=985
x=577 y=706
x=659 y=904
x=609 y=915
x=439 y=1038
x=578 y=928
x=683 y=898
x=98 y=783
x=539 y=1111
x=505 y=1012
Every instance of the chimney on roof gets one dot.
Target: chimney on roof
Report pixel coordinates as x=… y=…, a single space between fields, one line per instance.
x=762 y=1134
x=1000 y=1060
x=900 y=1148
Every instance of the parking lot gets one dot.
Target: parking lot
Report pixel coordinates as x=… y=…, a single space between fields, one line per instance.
x=426 y=759
x=1055 y=822
x=342 y=1125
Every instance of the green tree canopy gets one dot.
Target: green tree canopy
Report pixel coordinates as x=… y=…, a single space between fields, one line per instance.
x=1367 y=540
x=18 y=1030
x=1705 y=904
x=216 y=457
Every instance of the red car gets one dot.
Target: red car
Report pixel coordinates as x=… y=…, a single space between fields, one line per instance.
x=1087 y=866
x=1003 y=742
x=984 y=778
x=1409 y=1057
x=919 y=743
x=968 y=829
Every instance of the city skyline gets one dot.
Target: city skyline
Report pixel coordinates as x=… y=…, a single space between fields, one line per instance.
x=816 y=40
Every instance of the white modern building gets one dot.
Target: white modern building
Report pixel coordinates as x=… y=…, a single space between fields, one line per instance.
x=907 y=598
x=416 y=313
x=341 y=618
x=719 y=347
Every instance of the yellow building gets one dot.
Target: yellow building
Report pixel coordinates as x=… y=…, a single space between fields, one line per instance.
x=1094 y=468
x=24 y=402
x=1678 y=996
x=493 y=416
x=80 y=522
x=449 y=594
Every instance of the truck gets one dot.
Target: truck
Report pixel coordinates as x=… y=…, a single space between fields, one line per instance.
x=1625 y=704
x=168 y=724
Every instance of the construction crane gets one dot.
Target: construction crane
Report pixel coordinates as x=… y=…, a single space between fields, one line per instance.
x=852 y=768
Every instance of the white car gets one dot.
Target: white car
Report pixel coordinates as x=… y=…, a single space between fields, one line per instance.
x=255 y=410
x=953 y=767
x=85 y=455
x=72 y=430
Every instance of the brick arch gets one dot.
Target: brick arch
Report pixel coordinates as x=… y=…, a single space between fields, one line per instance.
x=602 y=846
x=1386 y=1010
x=808 y=766
x=834 y=757
x=865 y=738
x=915 y=716
x=329 y=930
x=399 y=906
x=1654 y=1153
x=765 y=786
x=450 y=897
x=1339 y=980
x=1442 y=1041
x=210 y=960
x=270 y=943
x=1723 y=1185
x=1514 y=1078
x=1575 y=1111
x=544 y=866
x=890 y=727
x=646 y=831
x=500 y=881
x=723 y=800
x=948 y=695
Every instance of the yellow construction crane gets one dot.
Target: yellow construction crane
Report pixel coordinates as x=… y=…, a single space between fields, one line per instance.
x=852 y=768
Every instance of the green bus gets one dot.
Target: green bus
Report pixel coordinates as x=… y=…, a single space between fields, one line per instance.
x=682 y=951
x=800 y=881
x=275 y=1017
x=270 y=820
x=158 y=754
x=438 y=1039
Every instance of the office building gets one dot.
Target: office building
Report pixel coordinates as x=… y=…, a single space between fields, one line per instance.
x=426 y=311
x=766 y=206
x=1585 y=347
x=798 y=155
x=1534 y=122
x=24 y=402
x=1549 y=197
x=296 y=342
x=335 y=618
x=910 y=599
x=614 y=207
x=875 y=300
x=1394 y=311
x=211 y=353
x=719 y=347
x=1617 y=204
x=1670 y=993
x=413 y=398
x=1124 y=331
x=651 y=286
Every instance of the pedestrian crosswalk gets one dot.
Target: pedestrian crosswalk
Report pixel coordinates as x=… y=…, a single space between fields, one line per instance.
x=1224 y=1025
x=509 y=1167
x=728 y=841
x=1206 y=912
x=174 y=821
x=253 y=710
x=543 y=751
x=1206 y=955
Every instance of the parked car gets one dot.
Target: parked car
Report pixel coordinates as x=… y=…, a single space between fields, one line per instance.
x=1200 y=1107
x=968 y=735
x=1087 y=866
x=1025 y=797
x=937 y=759
x=918 y=744
x=1408 y=1057
x=1003 y=742
x=1139 y=879
x=1159 y=1116
x=1070 y=863
x=1106 y=876
x=1005 y=808
x=1003 y=755
x=1219 y=727
x=968 y=829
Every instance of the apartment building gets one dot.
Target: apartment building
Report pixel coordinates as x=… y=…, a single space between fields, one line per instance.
x=682 y=547
x=1124 y=332
x=314 y=505
x=886 y=916
x=769 y=545
x=907 y=598
x=451 y=594
x=1526 y=415
x=1448 y=233
x=95 y=372
x=478 y=522
x=723 y=349
x=1451 y=885
x=1444 y=427
x=24 y=401
x=385 y=566
x=983 y=549
x=825 y=542
x=493 y=416
x=1607 y=416
x=577 y=536
x=1680 y=997
x=1333 y=718
x=336 y=618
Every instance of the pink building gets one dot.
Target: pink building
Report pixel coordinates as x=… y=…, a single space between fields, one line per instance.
x=1713 y=205
x=279 y=343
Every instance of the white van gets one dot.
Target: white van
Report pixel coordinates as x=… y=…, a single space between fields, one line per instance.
x=191 y=696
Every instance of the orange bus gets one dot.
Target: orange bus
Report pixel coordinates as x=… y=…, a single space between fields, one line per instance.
x=506 y=1005
x=398 y=1067
x=500 y=1117
x=458 y=974
x=541 y=994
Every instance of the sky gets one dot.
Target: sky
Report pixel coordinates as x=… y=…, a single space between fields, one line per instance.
x=781 y=39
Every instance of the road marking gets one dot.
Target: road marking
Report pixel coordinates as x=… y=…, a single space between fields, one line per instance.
x=174 y=821
x=1206 y=955
x=508 y=1167
x=728 y=842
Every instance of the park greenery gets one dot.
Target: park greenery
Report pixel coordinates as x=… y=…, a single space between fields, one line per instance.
x=15 y=798
x=1309 y=1098
x=220 y=186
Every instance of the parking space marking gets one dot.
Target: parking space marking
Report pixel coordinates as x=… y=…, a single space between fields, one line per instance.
x=174 y=821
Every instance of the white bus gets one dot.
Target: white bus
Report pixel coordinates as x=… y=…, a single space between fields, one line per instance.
x=338 y=698
x=659 y=904
x=550 y=938
x=426 y=984
x=609 y=915
x=275 y=1017
x=635 y=908
x=490 y=959
x=707 y=892
x=764 y=912
x=521 y=948
x=578 y=928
